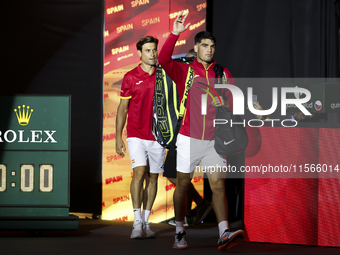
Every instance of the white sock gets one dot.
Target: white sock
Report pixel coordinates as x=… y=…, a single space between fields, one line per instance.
x=145 y=215
x=179 y=226
x=138 y=216
x=222 y=226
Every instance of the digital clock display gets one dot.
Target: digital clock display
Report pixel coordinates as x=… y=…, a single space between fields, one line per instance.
x=35 y=181
x=27 y=172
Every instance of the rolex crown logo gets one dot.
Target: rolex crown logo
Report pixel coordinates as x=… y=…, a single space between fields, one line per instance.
x=23 y=115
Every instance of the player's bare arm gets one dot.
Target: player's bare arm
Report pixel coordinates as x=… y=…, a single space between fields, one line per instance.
x=120 y=122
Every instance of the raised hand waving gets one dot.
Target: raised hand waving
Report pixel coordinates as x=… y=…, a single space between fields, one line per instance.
x=178 y=26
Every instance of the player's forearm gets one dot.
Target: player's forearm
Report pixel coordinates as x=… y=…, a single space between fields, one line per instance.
x=120 y=122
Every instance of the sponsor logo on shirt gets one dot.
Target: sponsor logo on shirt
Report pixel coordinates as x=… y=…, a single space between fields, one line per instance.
x=137 y=83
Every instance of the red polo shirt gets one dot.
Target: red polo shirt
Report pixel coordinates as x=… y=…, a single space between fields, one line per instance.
x=139 y=87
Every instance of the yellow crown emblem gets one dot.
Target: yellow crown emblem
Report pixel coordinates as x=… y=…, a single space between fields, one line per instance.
x=24 y=115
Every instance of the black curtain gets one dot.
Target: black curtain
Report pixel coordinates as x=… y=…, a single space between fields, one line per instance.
x=276 y=38
x=56 y=47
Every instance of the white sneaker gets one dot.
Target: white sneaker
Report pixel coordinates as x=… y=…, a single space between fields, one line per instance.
x=148 y=233
x=137 y=231
x=180 y=242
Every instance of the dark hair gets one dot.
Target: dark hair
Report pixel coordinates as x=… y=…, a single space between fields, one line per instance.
x=204 y=35
x=144 y=40
x=192 y=53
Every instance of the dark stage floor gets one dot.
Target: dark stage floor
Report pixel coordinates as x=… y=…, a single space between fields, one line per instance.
x=106 y=237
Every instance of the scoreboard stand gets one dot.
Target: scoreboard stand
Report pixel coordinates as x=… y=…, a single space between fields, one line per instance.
x=38 y=224
x=35 y=163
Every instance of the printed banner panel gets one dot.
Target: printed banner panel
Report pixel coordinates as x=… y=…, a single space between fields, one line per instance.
x=294 y=210
x=126 y=22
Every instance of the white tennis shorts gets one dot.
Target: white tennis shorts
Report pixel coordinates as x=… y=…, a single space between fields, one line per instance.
x=191 y=152
x=141 y=151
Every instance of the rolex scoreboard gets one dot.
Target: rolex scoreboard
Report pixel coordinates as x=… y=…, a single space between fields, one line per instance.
x=35 y=163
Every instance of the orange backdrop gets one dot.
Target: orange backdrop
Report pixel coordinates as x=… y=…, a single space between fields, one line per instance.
x=125 y=23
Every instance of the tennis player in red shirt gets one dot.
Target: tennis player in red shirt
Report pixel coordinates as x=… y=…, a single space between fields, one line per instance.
x=195 y=141
x=136 y=103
